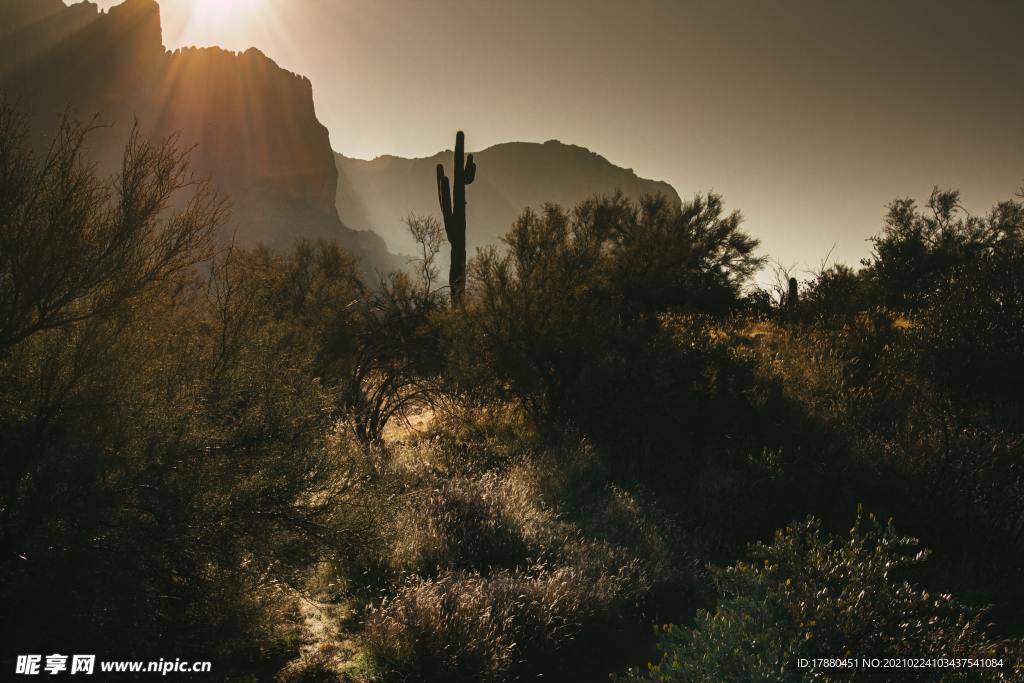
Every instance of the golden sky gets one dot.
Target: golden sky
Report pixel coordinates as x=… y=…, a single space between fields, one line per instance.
x=808 y=115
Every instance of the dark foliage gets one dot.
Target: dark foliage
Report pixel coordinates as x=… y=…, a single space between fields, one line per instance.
x=811 y=597
x=275 y=465
x=571 y=320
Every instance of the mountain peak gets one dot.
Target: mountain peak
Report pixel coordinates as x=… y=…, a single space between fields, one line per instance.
x=137 y=21
x=145 y=6
x=251 y=125
x=376 y=194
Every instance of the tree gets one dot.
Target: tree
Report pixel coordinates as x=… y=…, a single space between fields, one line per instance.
x=73 y=246
x=398 y=357
x=161 y=429
x=570 y=321
x=429 y=235
x=75 y=249
x=960 y=276
x=918 y=252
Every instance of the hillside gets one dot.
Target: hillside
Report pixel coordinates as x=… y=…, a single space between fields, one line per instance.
x=378 y=194
x=252 y=123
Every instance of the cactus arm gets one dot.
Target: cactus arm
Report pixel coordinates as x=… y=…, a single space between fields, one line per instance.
x=444 y=199
x=460 y=153
x=459 y=176
x=470 y=170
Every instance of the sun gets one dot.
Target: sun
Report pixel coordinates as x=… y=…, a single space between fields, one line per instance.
x=231 y=24
x=219 y=10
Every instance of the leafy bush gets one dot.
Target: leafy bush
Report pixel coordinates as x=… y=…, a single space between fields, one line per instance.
x=918 y=251
x=514 y=571
x=963 y=277
x=972 y=330
x=808 y=595
x=567 y=321
x=162 y=428
x=837 y=291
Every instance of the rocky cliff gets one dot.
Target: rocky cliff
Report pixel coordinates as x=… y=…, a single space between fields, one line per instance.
x=252 y=124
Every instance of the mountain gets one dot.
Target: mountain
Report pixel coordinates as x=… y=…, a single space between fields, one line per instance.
x=377 y=194
x=253 y=125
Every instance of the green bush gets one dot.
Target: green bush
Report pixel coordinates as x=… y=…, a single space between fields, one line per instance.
x=808 y=595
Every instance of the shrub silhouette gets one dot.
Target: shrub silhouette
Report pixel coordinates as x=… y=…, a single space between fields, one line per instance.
x=571 y=319
x=838 y=292
x=76 y=247
x=962 y=277
x=160 y=429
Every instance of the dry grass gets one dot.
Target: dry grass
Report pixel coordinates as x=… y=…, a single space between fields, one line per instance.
x=464 y=626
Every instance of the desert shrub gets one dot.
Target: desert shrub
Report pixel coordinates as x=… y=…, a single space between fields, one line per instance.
x=962 y=277
x=808 y=595
x=398 y=356
x=77 y=246
x=953 y=473
x=971 y=331
x=567 y=320
x=201 y=486
x=957 y=278
x=471 y=437
x=854 y=373
x=917 y=250
x=505 y=626
x=163 y=428
x=757 y=303
x=375 y=349
x=318 y=665
x=945 y=462
x=554 y=505
x=472 y=523
x=972 y=468
x=837 y=291
x=519 y=570
x=601 y=521
x=309 y=296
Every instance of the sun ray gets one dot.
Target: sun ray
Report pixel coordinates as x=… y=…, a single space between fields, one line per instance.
x=234 y=24
x=223 y=10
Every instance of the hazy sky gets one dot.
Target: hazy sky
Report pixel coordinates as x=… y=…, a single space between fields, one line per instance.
x=809 y=116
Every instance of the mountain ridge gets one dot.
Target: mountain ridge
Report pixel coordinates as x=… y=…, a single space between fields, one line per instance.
x=377 y=193
x=252 y=125
x=256 y=134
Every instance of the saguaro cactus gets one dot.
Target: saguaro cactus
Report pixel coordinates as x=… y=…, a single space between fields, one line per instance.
x=453 y=209
x=793 y=297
